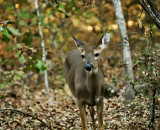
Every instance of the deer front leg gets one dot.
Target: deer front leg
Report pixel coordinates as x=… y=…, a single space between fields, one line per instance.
x=100 y=114
x=82 y=109
x=92 y=113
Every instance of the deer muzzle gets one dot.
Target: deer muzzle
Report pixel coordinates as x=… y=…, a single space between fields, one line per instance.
x=89 y=67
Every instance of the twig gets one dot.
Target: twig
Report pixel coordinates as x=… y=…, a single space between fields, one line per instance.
x=6 y=22
x=25 y=114
x=131 y=48
x=154 y=8
x=16 y=13
x=16 y=19
x=53 y=38
x=54 y=34
x=42 y=46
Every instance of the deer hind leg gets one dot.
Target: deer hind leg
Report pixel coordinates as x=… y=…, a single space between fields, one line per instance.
x=92 y=113
x=82 y=109
x=100 y=114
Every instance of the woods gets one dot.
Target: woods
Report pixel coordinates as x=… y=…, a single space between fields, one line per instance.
x=35 y=38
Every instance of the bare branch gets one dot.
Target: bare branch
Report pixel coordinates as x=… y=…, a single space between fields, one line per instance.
x=16 y=14
x=154 y=8
x=153 y=16
x=25 y=114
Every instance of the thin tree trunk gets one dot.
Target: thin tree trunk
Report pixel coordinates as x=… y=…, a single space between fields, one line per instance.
x=42 y=46
x=16 y=19
x=129 y=92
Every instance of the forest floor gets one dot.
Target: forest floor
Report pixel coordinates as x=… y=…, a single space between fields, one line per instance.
x=58 y=111
x=26 y=106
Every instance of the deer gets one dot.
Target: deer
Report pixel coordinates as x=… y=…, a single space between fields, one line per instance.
x=85 y=79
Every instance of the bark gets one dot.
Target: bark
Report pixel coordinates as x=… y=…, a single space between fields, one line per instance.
x=129 y=92
x=152 y=11
x=42 y=46
x=154 y=8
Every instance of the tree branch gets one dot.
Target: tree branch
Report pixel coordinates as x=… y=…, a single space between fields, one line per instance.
x=25 y=114
x=154 y=8
x=153 y=16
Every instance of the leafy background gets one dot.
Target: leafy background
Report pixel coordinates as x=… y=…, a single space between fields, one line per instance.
x=21 y=75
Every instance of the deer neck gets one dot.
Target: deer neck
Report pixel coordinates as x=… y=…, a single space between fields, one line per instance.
x=92 y=79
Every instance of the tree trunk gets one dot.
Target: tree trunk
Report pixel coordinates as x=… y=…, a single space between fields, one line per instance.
x=129 y=92
x=42 y=46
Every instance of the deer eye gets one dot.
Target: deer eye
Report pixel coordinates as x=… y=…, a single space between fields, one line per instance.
x=96 y=55
x=82 y=56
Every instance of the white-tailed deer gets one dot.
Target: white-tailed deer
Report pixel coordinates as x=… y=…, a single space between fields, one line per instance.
x=85 y=78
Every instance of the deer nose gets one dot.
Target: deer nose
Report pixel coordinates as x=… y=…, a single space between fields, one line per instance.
x=88 y=67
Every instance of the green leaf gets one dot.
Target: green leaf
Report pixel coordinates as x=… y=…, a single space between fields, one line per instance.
x=22 y=23
x=22 y=59
x=42 y=70
x=154 y=27
x=24 y=15
x=6 y=33
x=27 y=39
x=14 y=31
x=28 y=67
x=10 y=48
x=23 y=1
x=18 y=52
x=17 y=77
x=61 y=7
x=5 y=84
x=89 y=15
x=18 y=46
x=39 y=64
x=5 y=39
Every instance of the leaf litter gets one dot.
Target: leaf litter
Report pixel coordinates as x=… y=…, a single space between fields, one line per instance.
x=59 y=111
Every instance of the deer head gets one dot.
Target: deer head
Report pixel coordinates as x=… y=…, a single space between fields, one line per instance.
x=91 y=54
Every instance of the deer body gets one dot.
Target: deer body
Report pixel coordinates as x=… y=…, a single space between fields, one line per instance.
x=84 y=87
x=85 y=79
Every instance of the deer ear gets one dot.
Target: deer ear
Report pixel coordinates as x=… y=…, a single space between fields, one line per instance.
x=102 y=44
x=78 y=42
